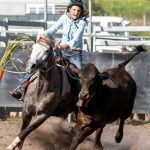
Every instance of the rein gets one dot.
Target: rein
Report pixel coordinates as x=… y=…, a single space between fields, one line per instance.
x=65 y=67
x=42 y=70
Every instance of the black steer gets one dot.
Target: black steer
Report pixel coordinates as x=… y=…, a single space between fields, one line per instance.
x=103 y=98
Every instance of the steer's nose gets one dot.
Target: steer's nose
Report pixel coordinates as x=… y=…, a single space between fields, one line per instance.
x=84 y=95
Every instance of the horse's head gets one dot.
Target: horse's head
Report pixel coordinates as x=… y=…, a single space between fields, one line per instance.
x=40 y=52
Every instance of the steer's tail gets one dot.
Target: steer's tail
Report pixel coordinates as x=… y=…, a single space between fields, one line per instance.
x=139 y=49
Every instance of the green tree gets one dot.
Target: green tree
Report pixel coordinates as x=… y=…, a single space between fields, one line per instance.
x=96 y=7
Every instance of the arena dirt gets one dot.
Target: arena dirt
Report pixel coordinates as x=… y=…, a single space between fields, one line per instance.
x=54 y=134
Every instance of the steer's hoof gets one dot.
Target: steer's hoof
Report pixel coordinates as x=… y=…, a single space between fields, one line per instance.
x=118 y=137
x=98 y=146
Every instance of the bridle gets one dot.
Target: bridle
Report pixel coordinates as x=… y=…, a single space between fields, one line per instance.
x=50 y=53
x=46 y=44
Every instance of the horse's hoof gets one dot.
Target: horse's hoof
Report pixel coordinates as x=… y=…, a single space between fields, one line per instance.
x=14 y=144
x=10 y=147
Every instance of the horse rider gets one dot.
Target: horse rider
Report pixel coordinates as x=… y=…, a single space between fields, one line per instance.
x=72 y=23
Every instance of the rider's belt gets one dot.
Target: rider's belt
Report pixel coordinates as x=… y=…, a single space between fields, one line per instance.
x=72 y=52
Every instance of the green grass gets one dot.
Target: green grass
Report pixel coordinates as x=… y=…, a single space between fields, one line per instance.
x=128 y=9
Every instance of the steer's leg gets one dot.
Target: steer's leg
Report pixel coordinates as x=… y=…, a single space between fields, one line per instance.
x=22 y=135
x=79 y=136
x=98 y=134
x=119 y=134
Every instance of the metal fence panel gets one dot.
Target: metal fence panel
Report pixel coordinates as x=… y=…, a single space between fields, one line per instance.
x=139 y=68
x=11 y=77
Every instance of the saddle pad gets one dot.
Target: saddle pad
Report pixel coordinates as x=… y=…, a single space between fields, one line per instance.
x=65 y=82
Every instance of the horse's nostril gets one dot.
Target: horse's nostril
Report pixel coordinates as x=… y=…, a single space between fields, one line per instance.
x=33 y=66
x=30 y=67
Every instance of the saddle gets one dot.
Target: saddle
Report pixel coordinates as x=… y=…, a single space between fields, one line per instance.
x=60 y=61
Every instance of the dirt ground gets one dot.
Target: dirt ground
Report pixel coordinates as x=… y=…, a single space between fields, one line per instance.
x=54 y=134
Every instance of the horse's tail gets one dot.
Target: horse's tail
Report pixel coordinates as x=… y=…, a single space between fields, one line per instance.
x=138 y=50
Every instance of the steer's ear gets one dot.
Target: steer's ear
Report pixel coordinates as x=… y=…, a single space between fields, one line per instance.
x=107 y=81
x=103 y=76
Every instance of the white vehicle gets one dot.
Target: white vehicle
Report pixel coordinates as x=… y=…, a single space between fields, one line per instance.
x=109 y=21
x=100 y=22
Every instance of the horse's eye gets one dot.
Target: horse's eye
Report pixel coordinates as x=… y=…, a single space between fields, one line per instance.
x=47 y=51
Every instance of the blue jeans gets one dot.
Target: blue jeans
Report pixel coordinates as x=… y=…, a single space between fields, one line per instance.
x=76 y=59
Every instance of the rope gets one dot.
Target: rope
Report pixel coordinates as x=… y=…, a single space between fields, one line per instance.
x=15 y=72
x=65 y=67
x=42 y=70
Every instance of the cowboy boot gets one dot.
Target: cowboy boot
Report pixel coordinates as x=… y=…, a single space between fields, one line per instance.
x=18 y=92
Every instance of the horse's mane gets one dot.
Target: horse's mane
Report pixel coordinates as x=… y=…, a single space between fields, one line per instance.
x=52 y=41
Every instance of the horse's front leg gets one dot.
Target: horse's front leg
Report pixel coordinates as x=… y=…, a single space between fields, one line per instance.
x=26 y=119
x=23 y=133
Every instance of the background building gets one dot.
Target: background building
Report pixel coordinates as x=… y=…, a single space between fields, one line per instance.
x=31 y=9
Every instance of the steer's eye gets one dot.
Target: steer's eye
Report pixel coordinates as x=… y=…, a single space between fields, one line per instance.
x=91 y=82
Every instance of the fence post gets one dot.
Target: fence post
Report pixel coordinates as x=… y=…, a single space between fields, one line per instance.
x=90 y=26
x=4 y=24
x=144 y=19
x=45 y=13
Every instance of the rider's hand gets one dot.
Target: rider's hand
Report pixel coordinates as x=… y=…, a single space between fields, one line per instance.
x=58 y=47
x=64 y=46
x=61 y=47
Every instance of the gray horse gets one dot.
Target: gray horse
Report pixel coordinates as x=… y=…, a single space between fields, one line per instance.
x=52 y=93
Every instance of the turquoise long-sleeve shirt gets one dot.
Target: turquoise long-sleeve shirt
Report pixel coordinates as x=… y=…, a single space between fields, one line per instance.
x=72 y=31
